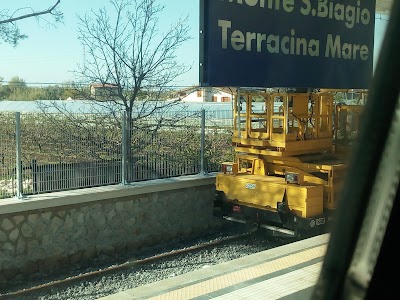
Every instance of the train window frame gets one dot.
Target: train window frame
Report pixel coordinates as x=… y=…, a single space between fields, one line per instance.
x=369 y=201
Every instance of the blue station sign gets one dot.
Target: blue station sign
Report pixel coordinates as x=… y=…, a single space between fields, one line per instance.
x=287 y=43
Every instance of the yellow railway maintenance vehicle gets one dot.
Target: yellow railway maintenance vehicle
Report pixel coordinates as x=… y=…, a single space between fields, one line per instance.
x=290 y=161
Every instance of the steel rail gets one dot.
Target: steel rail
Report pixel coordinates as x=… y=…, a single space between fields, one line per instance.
x=129 y=264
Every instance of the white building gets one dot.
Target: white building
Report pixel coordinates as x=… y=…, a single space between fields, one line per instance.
x=206 y=94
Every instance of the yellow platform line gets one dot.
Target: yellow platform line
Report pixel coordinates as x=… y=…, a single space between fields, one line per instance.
x=231 y=279
x=277 y=287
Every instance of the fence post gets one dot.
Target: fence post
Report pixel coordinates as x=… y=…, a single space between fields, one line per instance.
x=18 y=154
x=202 y=146
x=124 y=150
x=34 y=176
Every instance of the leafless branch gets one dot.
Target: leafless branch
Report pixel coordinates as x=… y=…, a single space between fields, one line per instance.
x=50 y=10
x=130 y=52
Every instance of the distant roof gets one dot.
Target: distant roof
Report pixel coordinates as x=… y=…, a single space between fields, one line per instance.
x=197 y=87
x=103 y=85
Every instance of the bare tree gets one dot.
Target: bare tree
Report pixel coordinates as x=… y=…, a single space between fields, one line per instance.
x=9 y=30
x=132 y=60
x=129 y=56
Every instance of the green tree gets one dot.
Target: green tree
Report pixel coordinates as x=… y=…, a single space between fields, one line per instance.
x=4 y=89
x=16 y=89
x=17 y=82
x=9 y=30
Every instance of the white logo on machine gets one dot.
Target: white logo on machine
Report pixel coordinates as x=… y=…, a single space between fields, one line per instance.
x=319 y=221
x=251 y=186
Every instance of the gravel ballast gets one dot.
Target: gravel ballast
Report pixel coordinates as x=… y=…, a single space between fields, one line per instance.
x=141 y=274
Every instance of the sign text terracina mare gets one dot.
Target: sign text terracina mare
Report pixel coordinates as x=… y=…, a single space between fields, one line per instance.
x=287 y=43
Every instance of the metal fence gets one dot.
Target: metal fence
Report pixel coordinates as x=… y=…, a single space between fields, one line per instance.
x=65 y=151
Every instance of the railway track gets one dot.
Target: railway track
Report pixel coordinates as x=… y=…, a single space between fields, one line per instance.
x=60 y=284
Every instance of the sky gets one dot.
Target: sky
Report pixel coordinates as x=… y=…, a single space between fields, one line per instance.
x=50 y=54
